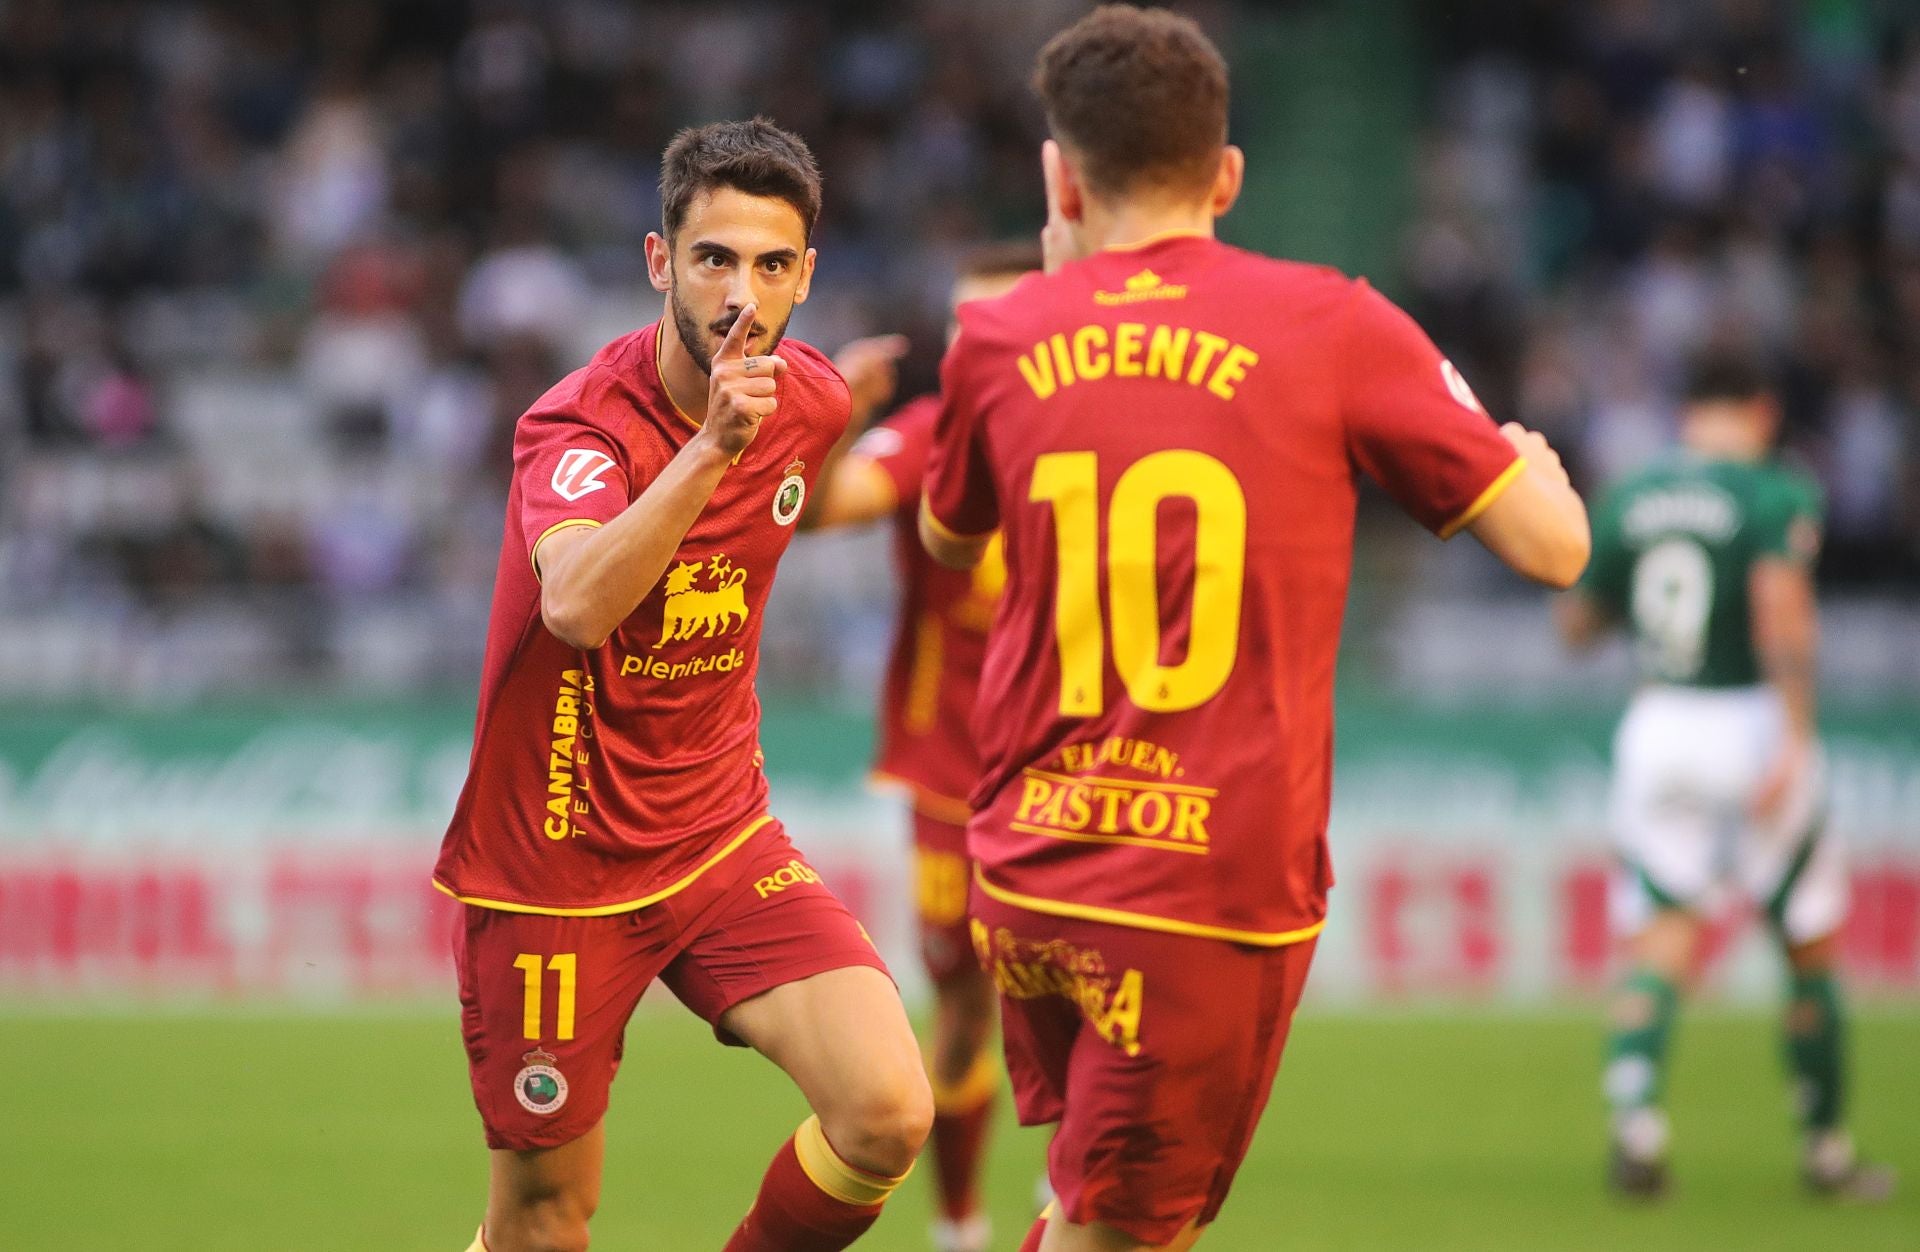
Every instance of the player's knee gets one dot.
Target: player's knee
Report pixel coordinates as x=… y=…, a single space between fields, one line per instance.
x=883 y=1128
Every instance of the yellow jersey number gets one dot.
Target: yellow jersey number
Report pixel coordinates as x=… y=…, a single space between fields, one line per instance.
x=1070 y=483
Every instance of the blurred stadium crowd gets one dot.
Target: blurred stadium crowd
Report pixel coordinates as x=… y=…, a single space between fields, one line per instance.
x=276 y=278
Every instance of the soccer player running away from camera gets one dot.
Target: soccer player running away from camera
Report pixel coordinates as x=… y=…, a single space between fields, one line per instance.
x=925 y=745
x=614 y=825
x=1718 y=776
x=1168 y=435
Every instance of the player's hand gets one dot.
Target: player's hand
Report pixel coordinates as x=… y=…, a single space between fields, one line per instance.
x=742 y=390
x=872 y=370
x=1533 y=445
x=1782 y=777
x=1060 y=237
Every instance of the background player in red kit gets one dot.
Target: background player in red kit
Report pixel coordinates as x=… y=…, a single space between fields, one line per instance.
x=926 y=746
x=1167 y=433
x=613 y=827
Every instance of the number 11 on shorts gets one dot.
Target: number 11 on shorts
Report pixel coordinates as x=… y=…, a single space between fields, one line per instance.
x=566 y=965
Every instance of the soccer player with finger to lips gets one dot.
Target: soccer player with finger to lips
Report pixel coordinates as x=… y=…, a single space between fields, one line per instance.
x=1167 y=434
x=614 y=824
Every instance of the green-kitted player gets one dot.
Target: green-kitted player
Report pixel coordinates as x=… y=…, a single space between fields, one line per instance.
x=1719 y=783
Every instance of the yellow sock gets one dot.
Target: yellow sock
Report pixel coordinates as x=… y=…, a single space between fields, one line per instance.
x=982 y=1079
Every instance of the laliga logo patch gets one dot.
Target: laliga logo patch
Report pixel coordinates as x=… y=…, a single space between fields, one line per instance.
x=540 y=1087
x=790 y=495
x=579 y=472
x=1457 y=387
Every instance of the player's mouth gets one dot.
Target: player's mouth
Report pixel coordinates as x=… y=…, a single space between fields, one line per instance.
x=721 y=329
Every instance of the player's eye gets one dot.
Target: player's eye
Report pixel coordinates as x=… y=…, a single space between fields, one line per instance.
x=714 y=261
x=776 y=267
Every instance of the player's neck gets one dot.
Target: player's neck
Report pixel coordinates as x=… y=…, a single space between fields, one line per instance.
x=680 y=374
x=1130 y=223
x=1715 y=442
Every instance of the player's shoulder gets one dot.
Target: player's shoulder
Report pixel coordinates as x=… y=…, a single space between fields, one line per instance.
x=908 y=427
x=1792 y=481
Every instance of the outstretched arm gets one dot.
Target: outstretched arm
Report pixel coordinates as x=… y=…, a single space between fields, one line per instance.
x=591 y=579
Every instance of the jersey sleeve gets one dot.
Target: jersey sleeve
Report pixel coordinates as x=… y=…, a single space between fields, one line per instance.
x=1609 y=574
x=898 y=448
x=1790 y=521
x=958 y=494
x=1413 y=425
x=568 y=473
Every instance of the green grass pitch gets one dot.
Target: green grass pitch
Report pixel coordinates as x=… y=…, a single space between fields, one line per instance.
x=340 y=1133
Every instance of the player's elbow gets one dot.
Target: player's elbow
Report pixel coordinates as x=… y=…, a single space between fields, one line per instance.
x=571 y=622
x=1563 y=557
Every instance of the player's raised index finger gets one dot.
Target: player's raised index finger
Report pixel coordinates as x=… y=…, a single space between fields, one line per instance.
x=734 y=346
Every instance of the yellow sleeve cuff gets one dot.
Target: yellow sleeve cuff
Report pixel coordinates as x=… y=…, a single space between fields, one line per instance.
x=1485 y=499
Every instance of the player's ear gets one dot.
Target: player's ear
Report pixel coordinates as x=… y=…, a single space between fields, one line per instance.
x=805 y=284
x=1227 y=180
x=659 y=261
x=1065 y=195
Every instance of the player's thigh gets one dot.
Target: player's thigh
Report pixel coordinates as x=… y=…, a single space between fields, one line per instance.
x=1793 y=868
x=783 y=967
x=544 y=1193
x=1064 y=1236
x=544 y=1005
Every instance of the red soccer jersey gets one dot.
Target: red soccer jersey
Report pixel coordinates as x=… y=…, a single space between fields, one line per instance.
x=1169 y=438
x=605 y=780
x=940 y=639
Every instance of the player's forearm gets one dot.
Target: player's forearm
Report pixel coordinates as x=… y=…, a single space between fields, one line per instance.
x=601 y=577
x=1538 y=527
x=1791 y=672
x=1786 y=637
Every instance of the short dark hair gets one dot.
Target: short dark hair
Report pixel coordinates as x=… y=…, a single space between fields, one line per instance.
x=755 y=157
x=1727 y=374
x=1010 y=256
x=1138 y=95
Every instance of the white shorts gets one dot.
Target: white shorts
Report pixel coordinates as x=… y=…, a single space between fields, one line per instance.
x=1686 y=762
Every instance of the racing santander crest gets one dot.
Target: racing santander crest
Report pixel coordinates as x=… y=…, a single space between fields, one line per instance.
x=790 y=495
x=538 y=1086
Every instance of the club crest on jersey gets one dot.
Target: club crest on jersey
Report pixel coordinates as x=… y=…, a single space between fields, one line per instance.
x=790 y=494
x=538 y=1086
x=1457 y=387
x=578 y=473
x=718 y=608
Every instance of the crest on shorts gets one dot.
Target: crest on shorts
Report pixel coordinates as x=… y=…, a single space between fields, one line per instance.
x=790 y=494
x=540 y=1087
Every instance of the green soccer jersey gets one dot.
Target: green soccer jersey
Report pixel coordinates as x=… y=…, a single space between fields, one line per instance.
x=1672 y=548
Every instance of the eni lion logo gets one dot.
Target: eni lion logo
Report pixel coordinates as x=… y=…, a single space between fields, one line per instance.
x=720 y=607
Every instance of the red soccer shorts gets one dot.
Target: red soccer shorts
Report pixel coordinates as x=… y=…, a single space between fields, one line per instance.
x=545 y=1000
x=1155 y=1053
x=942 y=872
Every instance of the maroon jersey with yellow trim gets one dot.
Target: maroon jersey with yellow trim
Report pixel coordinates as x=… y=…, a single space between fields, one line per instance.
x=940 y=639
x=604 y=779
x=1169 y=439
